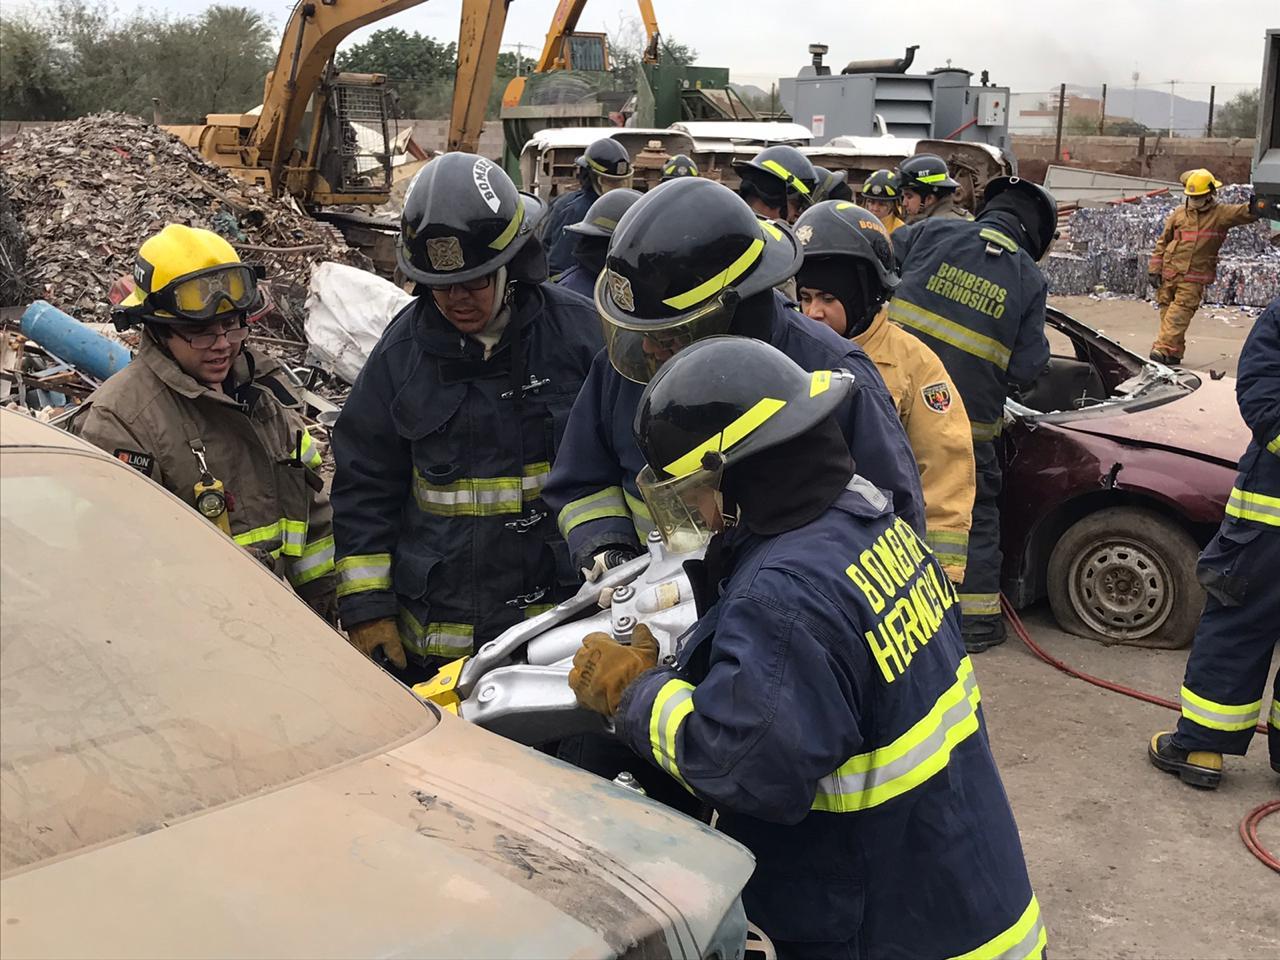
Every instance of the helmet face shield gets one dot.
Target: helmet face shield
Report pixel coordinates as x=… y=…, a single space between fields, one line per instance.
x=688 y=510
x=637 y=351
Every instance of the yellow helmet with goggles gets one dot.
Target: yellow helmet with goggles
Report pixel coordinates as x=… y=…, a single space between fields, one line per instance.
x=187 y=275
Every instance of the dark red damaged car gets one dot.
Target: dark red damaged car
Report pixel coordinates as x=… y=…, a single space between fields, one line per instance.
x=1117 y=471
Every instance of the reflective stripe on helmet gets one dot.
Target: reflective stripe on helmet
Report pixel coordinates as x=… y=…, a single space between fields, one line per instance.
x=721 y=280
x=932 y=178
x=734 y=433
x=506 y=236
x=773 y=166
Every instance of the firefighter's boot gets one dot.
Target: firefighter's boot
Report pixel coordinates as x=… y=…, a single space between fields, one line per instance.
x=1200 y=768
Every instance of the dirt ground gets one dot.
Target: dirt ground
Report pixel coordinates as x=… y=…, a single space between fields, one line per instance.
x=1127 y=861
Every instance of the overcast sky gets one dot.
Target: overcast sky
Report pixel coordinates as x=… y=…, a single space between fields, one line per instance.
x=1026 y=44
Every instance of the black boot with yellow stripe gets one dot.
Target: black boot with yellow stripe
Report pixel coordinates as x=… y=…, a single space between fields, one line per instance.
x=1200 y=768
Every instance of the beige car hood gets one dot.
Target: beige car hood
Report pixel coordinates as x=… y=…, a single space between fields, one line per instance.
x=456 y=844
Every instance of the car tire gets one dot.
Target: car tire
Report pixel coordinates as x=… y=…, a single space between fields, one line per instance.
x=1126 y=575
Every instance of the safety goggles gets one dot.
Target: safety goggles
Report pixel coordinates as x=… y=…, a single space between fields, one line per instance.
x=203 y=294
x=235 y=332
x=471 y=286
x=687 y=511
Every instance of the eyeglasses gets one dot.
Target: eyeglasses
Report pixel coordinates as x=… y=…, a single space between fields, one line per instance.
x=203 y=341
x=472 y=286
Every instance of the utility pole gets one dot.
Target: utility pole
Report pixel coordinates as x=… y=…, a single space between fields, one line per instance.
x=1133 y=104
x=1208 y=130
x=1172 y=84
x=1102 y=117
x=1062 y=103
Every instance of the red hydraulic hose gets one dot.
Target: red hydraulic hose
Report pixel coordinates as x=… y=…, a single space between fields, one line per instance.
x=1248 y=826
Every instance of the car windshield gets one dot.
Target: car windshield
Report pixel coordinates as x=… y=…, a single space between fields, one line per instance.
x=150 y=669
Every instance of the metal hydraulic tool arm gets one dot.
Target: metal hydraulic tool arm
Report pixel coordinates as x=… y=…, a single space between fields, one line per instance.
x=479 y=39
x=565 y=21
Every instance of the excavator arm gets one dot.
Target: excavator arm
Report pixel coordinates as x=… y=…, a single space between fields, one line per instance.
x=479 y=39
x=653 y=39
x=565 y=21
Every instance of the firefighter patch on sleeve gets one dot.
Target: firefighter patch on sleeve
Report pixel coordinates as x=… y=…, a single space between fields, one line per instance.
x=937 y=397
x=142 y=462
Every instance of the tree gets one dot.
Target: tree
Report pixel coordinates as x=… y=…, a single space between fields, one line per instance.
x=626 y=49
x=1238 y=116
x=419 y=68
x=33 y=72
x=1080 y=126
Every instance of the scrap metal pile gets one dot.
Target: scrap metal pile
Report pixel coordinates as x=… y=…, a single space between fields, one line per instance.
x=87 y=193
x=1108 y=247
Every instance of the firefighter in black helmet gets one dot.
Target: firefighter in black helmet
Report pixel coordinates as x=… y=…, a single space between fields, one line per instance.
x=832 y=185
x=605 y=165
x=928 y=191
x=443 y=446
x=592 y=240
x=854 y=763
x=777 y=183
x=678 y=165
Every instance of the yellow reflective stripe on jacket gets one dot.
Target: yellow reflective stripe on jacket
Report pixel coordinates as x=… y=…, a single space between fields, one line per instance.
x=714 y=285
x=310 y=452
x=980 y=604
x=360 y=573
x=948 y=331
x=949 y=546
x=435 y=639
x=1219 y=716
x=1254 y=506
x=1274 y=719
x=983 y=432
x=537 y=610
x=1025 y=940
x=869 y=779
x=673 y=703
x=998 y=238
x=316 y=562
x=608 y=502
x=1274 y=445
x=285 y=537
x=480 y=496
x=641 y=518
x=734 y=433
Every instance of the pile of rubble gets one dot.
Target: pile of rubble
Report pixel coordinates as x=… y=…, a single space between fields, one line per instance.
x=87 y=193
x=1107 y=249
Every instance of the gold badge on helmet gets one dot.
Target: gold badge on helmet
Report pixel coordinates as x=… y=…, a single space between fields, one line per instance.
x=445 y=253
x=805 y=234
x=620 y=288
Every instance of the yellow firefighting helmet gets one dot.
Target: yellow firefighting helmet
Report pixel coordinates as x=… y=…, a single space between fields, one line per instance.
x=186 y=274
x=1197 y=183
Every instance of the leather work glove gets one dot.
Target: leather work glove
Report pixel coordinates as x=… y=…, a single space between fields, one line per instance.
x=603 y=668
x=369 y=636
x=606 y=560
x=1154 y=279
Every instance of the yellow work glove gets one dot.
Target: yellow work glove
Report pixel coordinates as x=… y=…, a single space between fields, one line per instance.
x=603 y=668
x=368 y=637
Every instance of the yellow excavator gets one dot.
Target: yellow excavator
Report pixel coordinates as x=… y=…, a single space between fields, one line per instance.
x=324 y=136
x=567 y=49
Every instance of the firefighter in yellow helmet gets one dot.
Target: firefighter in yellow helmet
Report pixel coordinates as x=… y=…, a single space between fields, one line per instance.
x=212 y=420
x=1185 y=259
x=882 y=194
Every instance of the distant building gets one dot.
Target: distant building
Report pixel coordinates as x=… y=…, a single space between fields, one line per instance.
x=1036 y=114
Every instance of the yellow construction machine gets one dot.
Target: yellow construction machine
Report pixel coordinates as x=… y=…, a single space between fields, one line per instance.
x=324 y=136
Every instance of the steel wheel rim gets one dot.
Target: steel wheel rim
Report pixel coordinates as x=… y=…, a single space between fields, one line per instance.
x=1121 y=588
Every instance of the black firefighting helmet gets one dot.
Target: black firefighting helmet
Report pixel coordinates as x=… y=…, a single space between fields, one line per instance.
x=680 y=261
x=926 y=173
x=463 y=218
x=832 y=185
x=677 y=166
x=882 y=185
x=1040 y=210
x=838 y=228
x=785 y=164
x=606 y=157
x=725 y=399
x=603 y=216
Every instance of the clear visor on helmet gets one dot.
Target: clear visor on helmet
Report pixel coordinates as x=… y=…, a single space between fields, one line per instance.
x=638 y=351
x=204 y=294
x=686 y=510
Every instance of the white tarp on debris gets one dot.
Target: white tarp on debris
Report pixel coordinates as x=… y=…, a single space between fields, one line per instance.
x=347 y=310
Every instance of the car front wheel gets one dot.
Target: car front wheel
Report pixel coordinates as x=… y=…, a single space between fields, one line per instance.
x=1126 y=575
